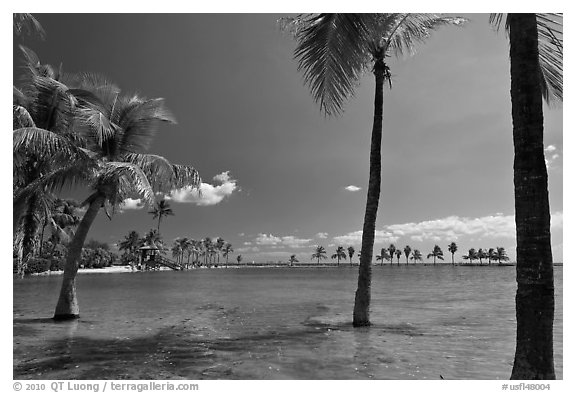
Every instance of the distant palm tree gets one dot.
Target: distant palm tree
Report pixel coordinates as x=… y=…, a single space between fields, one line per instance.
x=218 y=247
x=351 y=251
x=340 y=254
x=130 y=244
x=320 y=253
x=491 y=255
x=177 y=249
x=383 y=256
x=416 y=255
x=452 y=247
x=239 y=259
x=161 y=209
x=407 y=251
x=398 y=255
x=392 y=252
x=292 y=259
x=227 y=250
x=481 y=255
x=501 y=254
x=472 y=255
x=436 y=253
x=333 y=51
x=207 y=242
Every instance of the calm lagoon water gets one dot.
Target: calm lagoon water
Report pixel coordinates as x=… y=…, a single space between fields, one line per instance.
x=274 y=323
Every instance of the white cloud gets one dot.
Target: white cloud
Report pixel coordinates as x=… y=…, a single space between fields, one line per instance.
x=352 y=188
x=131 y=204
x=550 y=148
x=209 y=194
x=288 y=241
x=450 y=228
x=267 y=240
x=322 y=235
x=294 y=242
x=551 y=156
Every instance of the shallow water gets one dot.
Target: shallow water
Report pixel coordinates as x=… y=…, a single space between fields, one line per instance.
x=274 y=323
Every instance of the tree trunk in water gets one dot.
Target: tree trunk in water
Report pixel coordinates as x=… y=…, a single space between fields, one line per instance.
x=534 y=357
x=30 y=226
x=67 y=307
x=361 y=315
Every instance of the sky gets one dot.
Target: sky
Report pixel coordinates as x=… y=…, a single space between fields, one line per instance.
x=279 y=177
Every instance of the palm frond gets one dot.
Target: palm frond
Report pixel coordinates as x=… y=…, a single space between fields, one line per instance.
x=121 y=180
x=21 y=118
x=28 y=24
x=332 y=54
x=401 y=32
x=44 y=143
x=52 y=107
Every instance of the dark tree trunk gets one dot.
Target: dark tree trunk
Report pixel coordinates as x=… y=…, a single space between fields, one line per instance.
x=30 y=226
x=67 y=307
x=534 y=357
x=361 y=316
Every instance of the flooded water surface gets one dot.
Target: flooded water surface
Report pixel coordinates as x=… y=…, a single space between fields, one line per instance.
x=274 y=323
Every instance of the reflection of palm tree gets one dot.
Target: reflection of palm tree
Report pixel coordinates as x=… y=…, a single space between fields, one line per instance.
x=535 y=72
x=333 y=50
x=436 y=253
x=416 y=256
x=407 y=251
x=340 y=254
x=320 y=253
x=383 y=256
x=452 y=247
x=161 y=209
x=351 y=251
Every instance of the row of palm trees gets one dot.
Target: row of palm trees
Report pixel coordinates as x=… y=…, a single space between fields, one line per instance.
x=81 y=129
x=388 y=254
x=207 y=248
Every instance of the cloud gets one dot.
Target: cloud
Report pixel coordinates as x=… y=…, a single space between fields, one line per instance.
x=322 y=235
x=131 y=204
x=209 y=194
x=352 y=188
x=450 y=228
x=287 y=241
x=550 y=149
x=551 y=156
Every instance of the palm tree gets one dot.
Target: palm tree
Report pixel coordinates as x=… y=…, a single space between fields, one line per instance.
x=452 y=247
x=320 y=253
x=383 y=256
x=177 y=251
x=351 y=251
x=398 y=255
x=116 y=169
x=227 y=250
x=239 y=259
x=218 y=247
x=340 y=254
x=207 y=242
x=392 y=252
x=416 y=255
x=130 y=244
x=501 y=255
x=161 y=209
x=28 y=24
x=407 y=251
x=491 y=255
x=472 y=255
x=436 y=253
x=481 y=254
x=333 y=50
x=292 y=259
x=535 y=72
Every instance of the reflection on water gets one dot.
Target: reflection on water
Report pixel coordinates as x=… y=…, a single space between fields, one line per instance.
x=280 y=323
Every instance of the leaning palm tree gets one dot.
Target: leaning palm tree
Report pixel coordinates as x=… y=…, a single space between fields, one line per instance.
x=161 y=209
x=536 y=54
x=472 y=255
x=226 y=251
x=407 y=251
x=416 y=256
x=383 y=256
x=116 y=139
x=333 y=51
x=491 y=255
x=452 y=247
x=351 y=252
x=319 y=253
x=481 y=255
x=340 y=254
x=501 y=255
x=436 y=253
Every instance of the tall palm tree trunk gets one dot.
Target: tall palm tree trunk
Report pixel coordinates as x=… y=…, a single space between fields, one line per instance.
x=30 y=226
x=534 y=358
x=67 y=307
x=361 y=315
